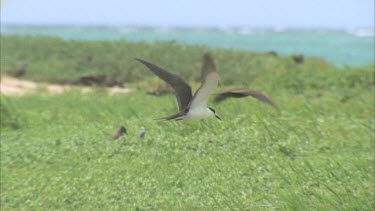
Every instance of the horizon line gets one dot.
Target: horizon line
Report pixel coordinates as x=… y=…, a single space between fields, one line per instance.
x=218 y=26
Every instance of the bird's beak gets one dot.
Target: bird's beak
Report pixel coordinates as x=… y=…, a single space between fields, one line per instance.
x=217 y=117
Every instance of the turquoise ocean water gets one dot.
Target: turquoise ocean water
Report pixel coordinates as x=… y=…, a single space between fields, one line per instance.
x=340 y=47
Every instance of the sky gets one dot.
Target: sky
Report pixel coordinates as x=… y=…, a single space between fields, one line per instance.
x=212 y=13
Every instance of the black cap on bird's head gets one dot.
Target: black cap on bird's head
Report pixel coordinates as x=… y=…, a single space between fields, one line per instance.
x=213 y=111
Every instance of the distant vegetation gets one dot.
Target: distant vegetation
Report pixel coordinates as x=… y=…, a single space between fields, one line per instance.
x=56 y=153
x=56 y=60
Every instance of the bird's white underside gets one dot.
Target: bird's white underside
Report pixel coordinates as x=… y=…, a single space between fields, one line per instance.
x=198 y=106
x=198 y=113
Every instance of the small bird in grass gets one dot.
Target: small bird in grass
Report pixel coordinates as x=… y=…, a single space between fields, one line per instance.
x=190 y=107
x=209 y=141
x=243 y=92
x=119 y=132
x=141 y=134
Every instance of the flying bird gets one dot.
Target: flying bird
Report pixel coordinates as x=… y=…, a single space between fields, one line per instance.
x=190 y=107
x=243 y=92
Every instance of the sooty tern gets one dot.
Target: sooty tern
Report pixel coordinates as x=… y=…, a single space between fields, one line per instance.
x=190 y=107
x=141 y=134
x=119 y=132
x=243 y=92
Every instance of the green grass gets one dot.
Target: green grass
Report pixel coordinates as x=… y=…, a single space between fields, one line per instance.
x=318 y=155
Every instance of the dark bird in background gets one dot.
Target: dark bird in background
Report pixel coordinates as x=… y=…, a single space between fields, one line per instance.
x=93 y=80
x=243 y=92
x=19 y=72
x=119 y=132
x=299 y=58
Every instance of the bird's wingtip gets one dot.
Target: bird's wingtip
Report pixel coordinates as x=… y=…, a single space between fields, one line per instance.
x=161 y=119
x=142 y=61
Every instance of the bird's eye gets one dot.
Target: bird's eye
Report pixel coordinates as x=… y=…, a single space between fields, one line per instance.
x=213 y=110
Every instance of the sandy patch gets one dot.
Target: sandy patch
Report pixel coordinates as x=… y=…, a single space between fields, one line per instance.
x=16 y=87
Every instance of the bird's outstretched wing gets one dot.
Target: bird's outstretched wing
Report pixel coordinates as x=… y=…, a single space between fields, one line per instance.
x=173 y=117
x=210 y=81
x=208 y=66
x=181 y=88
x=243 y=92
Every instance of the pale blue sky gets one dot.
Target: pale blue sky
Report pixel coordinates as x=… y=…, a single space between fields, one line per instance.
x=255 y=13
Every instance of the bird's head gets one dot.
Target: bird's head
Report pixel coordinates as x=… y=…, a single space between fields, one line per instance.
x=214 y=113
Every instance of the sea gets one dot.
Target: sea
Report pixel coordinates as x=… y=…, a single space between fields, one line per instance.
x=340 y=47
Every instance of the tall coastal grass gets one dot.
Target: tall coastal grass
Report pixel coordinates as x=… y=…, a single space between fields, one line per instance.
x=56 y=151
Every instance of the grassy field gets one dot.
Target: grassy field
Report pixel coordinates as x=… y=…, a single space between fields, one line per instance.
x=55 y=152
